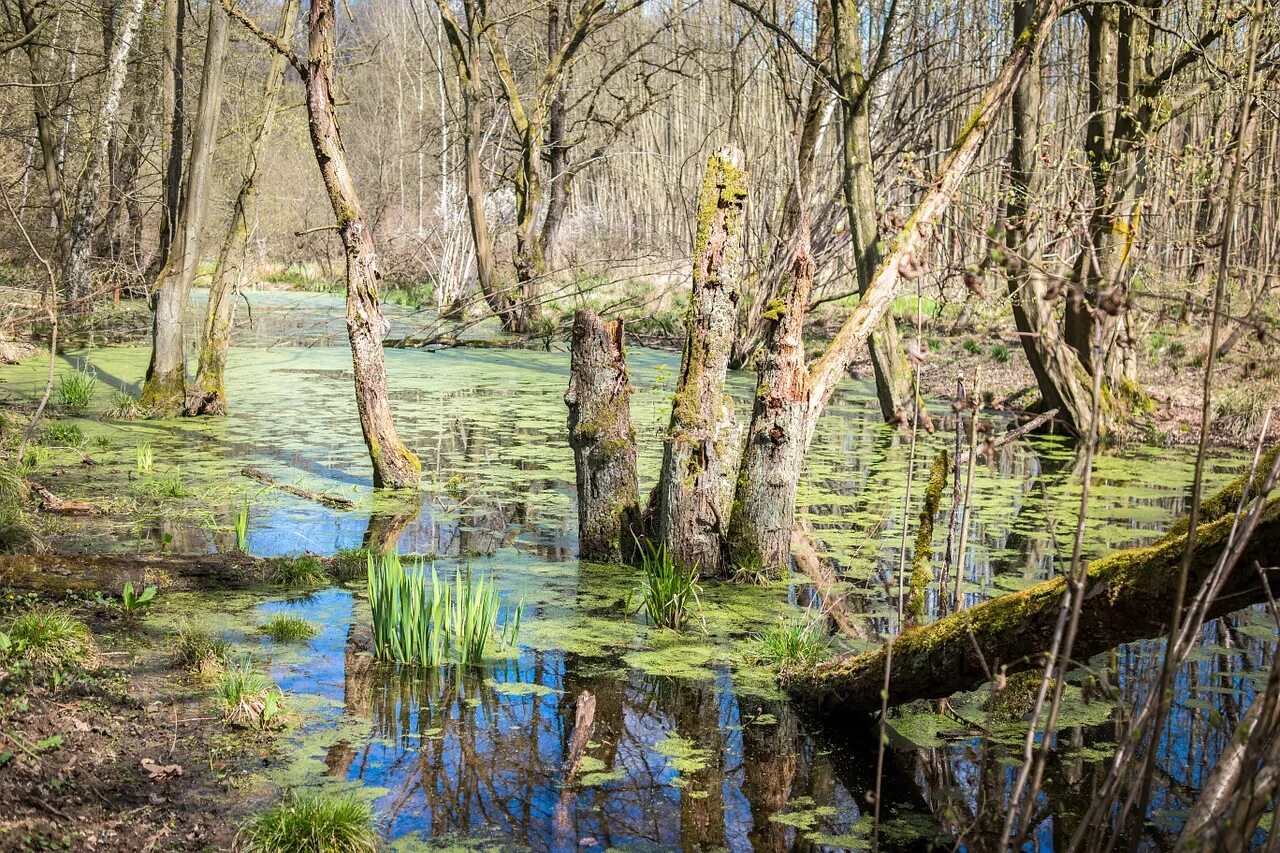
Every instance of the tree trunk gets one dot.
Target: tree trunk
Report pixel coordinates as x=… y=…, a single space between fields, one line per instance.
x=603 y=441
x=692 y=500
x=1128 y=596
x=1062 y=381
x=83 y=215
x=765 y=497
x=893 y=377
x=46 y=134
x=165 y=388
x=209 y=396
x=394 y=466
x=173 y=98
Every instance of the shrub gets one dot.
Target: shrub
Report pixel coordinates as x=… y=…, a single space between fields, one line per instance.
x=284 y=628
x=299 y=572
x=668 y=592
x=248 y=697
x=75 y=390
x=50 y=638
x=795 y=641
x=312 y=823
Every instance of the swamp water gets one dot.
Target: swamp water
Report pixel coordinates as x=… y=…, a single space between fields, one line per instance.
x=692 y=746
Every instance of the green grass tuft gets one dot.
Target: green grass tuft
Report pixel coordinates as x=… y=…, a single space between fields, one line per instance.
x=312 y=823
x=75 y=390
x=668 y=592
x=284 y=628
x=202 y=651
x=65 y=433
x=999 y=353
x=304 y=571
x=248 y=697
x=50 y=638
x=791 y=642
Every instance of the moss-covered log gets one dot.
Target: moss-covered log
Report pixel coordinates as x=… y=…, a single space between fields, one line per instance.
x=1128 y=596
x=700 y=459
x=602 y=438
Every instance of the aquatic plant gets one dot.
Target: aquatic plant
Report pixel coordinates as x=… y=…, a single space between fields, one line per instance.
x=123 y=407
x=349 y=563
x=302 y=571
x=134 y=604
x=171 y=485
x=248 y=696
x=75 y=390
x=797 y=641
x=65 y=433
x=312 y=823
x=50 y=638
x=145 y=458
x=284 y=628
x=202 y=652
x=240 y=526
x=419 y=619
x=668 y=591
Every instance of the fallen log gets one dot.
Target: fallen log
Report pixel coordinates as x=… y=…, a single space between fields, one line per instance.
x=49 y=502
x=1128 y=596
x=331 y=501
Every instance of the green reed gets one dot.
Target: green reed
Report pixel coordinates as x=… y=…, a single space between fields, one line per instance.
x=420 y=619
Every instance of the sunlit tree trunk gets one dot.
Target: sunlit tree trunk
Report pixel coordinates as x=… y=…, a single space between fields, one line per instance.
x=765 y=495
x=699 y=464
x=208 y=396
x=603 y=440
x=164 y=391
x=394 y=466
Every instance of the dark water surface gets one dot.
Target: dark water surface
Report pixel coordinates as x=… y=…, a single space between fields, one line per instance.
x=692 y=746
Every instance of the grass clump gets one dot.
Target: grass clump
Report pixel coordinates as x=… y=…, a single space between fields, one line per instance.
x=75 y=390
x=49 y=638
x=312 y=823
x=64 y=433
x=203 y=652
x=668 y=592
x=146 y=459
x=420 y=619
x=284 y=628
x=240 y=527
x=971 y=346
x=17 y=533
x=124 y=407
x=791 y=642
x=171 y=485
x=248 y=697
x=299 y=572
x=999 y=353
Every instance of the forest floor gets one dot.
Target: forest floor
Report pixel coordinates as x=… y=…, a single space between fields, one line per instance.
x=126 y=754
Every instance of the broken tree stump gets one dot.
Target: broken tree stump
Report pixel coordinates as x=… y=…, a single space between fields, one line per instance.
x=603 y=440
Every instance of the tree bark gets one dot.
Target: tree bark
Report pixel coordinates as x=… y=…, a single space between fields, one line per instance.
x=1127 y=596
x=173 y=98
x=394 y=466
x=1060 y=376
x=165 y=388
x=692 y=499
x=603 y=440
x=83 y=215
x=209 y=396
x=764 y=502
x=893 y=376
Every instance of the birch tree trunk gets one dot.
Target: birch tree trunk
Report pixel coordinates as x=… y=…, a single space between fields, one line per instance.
x=164 y=391
x=699 y=464
x=603 y=440
x=394 y=466
x=764 y=504
x=83 y=215
x=209 y=397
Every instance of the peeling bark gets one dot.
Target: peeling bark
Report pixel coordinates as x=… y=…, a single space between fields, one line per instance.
x=692 y=500
x=603 y=440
